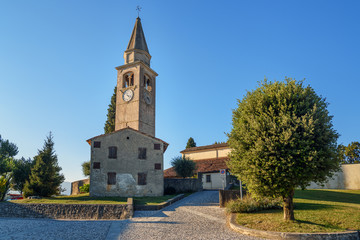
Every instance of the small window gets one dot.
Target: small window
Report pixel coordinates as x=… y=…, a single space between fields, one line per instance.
x=158 y=166
x=96 y=165
x=157 y=146
x=141 y=178
x=147 y=83
x=112 y=152
x=111 y=178
x=142 y=153
x=128 y=80
x=97 y=144
x=208 y=178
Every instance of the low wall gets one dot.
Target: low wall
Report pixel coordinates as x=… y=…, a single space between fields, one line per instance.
x=348 y=178
x=66 y=211
x=227 y=195
x=182 y=185
x=75 y=186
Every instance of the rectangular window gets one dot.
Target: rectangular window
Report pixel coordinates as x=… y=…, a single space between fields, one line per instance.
x=111 y=178
x=158 y=166
x=142 y=153
x=141 y=178
x=157 y=146
x=97 y=144
x=112 y=152
x=96 y=165
x=208 y=178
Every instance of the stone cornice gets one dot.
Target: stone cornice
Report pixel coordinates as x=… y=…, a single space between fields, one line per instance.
x=137 y=63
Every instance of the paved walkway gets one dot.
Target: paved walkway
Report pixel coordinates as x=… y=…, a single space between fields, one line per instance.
x=195 y=217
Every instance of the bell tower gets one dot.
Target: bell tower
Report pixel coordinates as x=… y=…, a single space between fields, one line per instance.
x=136 y=85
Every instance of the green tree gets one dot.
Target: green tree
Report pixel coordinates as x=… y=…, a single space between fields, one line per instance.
x=282 y=137
x=350 y=153
x=190 y=143
x=184 y=167
x=7 y=151
x=21 y=173
x=110 y=121
x=86 y=168
x=45 y=178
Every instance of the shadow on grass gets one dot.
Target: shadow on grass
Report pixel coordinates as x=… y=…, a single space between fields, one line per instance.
x=326 y=195
x=312 y=206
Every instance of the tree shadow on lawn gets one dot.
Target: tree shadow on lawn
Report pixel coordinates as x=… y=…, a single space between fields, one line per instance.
x=312 y=206
x=331 y=196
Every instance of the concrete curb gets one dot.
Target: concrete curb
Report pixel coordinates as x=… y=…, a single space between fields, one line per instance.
x=160 y=206
x=348 y=235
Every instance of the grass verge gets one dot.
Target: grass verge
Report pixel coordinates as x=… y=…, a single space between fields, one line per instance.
x=315 y=211
x=86 y=199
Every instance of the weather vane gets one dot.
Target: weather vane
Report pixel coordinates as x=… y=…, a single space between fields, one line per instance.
x=138 y=9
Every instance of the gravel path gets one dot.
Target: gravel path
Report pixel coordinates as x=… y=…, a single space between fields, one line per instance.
x=195 y=217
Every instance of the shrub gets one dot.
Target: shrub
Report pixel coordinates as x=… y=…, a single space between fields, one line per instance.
x=249 y=204
x=85 y=188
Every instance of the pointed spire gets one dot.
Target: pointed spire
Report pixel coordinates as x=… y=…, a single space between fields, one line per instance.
x=137 y=40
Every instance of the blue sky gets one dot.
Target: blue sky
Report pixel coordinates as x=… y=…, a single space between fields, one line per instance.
x=58 y=59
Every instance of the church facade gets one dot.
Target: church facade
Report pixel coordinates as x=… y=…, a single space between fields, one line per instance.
x=129 y=161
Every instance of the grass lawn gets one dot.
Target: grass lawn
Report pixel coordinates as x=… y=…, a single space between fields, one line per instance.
x=315 y=211
x=86 y=199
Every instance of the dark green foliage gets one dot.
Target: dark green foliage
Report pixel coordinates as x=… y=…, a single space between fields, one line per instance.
x=282 y=138
x=216 y=142
x=7 y=151
x=45 y=177
x=86 y=168
x=190 y=143
x=349 y=153
x=21 y=173
x=248 y=204
x=85 y=188
x=184 y=167
x=110 y=121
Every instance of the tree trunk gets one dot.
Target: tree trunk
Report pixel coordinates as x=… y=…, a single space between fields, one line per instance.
x=289 y=206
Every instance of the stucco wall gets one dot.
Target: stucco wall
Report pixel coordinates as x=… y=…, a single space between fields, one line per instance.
x=66 y=211
x=348 y=178
x=75 y=186
x=218 y=181
x=208 y=153
x=127 y=165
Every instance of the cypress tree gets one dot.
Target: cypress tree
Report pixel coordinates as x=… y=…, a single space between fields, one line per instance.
x=190 y=143
x=110 y=121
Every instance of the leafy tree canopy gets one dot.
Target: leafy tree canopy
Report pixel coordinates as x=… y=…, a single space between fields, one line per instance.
x=7 y=151
x=45 y=178
x=21 y=173
x=86 y=168
x=190 y=143
x=184 y=167
x=110 y=121
x=350 y=153
x=282 y=137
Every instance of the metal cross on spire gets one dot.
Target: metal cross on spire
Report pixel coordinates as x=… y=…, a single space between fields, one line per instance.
x=138 y=9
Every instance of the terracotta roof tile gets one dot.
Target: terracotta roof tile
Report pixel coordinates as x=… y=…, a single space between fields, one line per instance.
x=203 y=166
x=219 y=145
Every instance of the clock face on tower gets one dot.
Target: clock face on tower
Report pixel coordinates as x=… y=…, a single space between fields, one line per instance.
x=128 y=95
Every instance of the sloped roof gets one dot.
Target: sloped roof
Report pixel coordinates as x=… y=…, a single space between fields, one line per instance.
x=137 y=39
x=129 y=128
x=213 y=146
x=202 y=166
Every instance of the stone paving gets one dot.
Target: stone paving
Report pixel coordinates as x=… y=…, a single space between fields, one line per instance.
x=195 y=217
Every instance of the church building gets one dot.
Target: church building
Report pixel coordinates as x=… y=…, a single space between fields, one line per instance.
x=129 y=161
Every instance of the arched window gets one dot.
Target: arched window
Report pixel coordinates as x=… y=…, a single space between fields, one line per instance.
x=128 y=80
x=147 y=82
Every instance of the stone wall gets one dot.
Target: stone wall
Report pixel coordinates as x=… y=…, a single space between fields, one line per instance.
x=75 y=186
x=227 y=195
x=184 y=185
x=348 y=178
x=66 y=211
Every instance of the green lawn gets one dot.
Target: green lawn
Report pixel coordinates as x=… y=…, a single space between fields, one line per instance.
x=315 y=211
x=86 y=199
